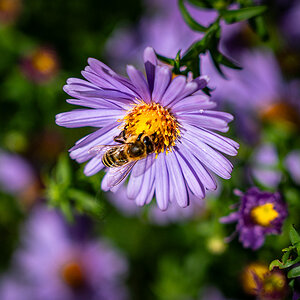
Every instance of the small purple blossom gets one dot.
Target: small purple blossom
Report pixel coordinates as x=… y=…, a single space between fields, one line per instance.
x=51 y=265
x=292 y=163
x=265 y=162
x=41 y=65
x=174 y=112
x=16 y=174
x=260 y=213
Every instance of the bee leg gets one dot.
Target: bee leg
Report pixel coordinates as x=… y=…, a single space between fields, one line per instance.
x=139 y=137
x=120 y=138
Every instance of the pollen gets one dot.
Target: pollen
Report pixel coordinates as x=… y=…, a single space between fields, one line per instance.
x=153 y=120
x=264 y=214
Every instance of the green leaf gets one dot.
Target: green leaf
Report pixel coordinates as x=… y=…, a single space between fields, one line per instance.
x=275 y=263
x=201 y=3
x=63 y=170
x=238 y=15
x=258 y=26
x=223 y=60
x=294 y=236
x=166 y=60
x=294 y=272
x=216 y=63
x=188 y=18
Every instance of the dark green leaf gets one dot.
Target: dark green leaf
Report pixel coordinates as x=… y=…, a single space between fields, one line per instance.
x=166 y=60
x=188 y=18
x=238 y=15
x=201 y=3
x=294 y=236
x=294 y=272
x=275 y=263
x=223 y=60
x=258 y=26
x=216 y=63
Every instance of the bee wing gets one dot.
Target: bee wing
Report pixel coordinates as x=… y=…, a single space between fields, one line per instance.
x=100 y=149
x=117 y=175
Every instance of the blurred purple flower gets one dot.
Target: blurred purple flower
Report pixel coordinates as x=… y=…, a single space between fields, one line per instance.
x=173 y=112
x=175 y=213
x=265 y=160
x=164 y=29
x=259 y=281
x=257 y=93
x=41 y=65
x=52 y=266
x=16 y=174
x=260 y=213
x=290 y=24
x=9 y=11
x=292 y=163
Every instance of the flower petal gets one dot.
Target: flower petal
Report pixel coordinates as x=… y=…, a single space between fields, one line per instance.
x=150 y=62
x=193 y=104
x=205 y=177
x=211 y=158
x=174 y=89
x=162 y=79
x=88 y=117
x=190 y=176
x=177 y=180
x=212 y=139
x=140 y=83
x=161 y=182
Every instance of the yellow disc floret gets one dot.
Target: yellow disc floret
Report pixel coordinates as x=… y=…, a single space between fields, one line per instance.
x=155 y=121
x=253 y=275
x=264 y=214
x=44 y=62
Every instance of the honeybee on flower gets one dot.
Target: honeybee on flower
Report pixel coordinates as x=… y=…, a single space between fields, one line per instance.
x=173 y=119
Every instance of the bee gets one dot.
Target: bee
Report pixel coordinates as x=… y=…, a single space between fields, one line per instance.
x=123 y=156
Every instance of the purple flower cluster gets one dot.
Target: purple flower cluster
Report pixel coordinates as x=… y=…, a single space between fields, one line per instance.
x=172 y=111
x=51 y=265
x=260 y=213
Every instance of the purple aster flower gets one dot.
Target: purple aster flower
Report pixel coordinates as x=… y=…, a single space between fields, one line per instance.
x=164 y=29
x=9 y=10
x=265 y=162
x=260 y=213
x=292 y=163
x=259 y=281
x=16 y=174
x=161 y=131
x=41 y=65
x=50 y=265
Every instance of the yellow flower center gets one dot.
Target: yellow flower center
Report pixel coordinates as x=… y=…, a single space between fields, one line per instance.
x=8 y=5
x=253 y=275
x=264 y=214
x=44 y=62
x=283 y=113
x=72 y=275
x=274 y=282
x=155 y=121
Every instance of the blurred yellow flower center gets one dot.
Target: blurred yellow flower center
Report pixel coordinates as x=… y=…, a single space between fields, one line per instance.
x=281 y=112
x=8 y=5
x=264 y=214
x=253 y=275
x=44 y=62
x=153 y=120
x=274 y=282
x=72 y=275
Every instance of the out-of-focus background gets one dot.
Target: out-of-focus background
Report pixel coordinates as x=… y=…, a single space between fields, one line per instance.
x=61 y=237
